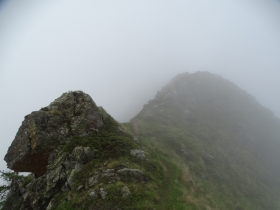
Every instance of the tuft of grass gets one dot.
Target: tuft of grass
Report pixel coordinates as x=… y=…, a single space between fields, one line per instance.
x=55 y=112
x=109 y=145
x=27 y=179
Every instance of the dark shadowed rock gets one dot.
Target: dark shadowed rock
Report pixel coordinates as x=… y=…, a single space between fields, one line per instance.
x=72 y=114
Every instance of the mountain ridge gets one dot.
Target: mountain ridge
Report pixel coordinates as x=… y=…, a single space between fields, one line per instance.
x=201 y=143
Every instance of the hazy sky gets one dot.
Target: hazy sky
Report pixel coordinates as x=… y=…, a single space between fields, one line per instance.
x=122 y=52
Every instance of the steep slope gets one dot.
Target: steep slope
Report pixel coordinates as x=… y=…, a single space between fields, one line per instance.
x=80 y=158
x=201 y=144
x=223 y=144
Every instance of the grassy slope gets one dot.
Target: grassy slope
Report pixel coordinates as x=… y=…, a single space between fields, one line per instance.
x=114 y=146
x=237 y=177
x=233 y=181
x=242 y=173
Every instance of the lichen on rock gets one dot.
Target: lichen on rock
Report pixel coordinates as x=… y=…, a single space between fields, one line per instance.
x=138 y=154
x=72 y=148
x=72 y=114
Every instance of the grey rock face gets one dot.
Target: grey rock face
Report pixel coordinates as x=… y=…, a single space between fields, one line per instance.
x=72 y=114
x=107 y=175
x=92 y=194
x=125 y=191
x=40 y=147
x=80 y=187
x=71 y=179
x=84 y=154
x=93 y=180
x=136 y=139
x=102 y=193
x=60 y=177
x=80 y=155
x=49 y=206
x=138 y=153
x=134 y=175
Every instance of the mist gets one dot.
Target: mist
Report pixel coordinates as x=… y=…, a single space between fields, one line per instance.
x=122 y=52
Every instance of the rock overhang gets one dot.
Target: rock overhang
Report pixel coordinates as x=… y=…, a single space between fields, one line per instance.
x=72 y=114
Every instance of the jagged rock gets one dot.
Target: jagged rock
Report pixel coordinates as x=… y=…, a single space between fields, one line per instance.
x=110 y=170
x=129 y=174
x=109 y=176
x=138 y=153
x=102 y=193
x=108 y=173
x=79 y=188
x=79 y=154
x=90 y=154
x=167 y=129
x=43 y=146
x=84 y=154
x=72 y=114
x=92 y=194
x=93 y=180
x=125 y=191
x=71 y=180
x=136 y=139
x=39 y=193
x=49 y=207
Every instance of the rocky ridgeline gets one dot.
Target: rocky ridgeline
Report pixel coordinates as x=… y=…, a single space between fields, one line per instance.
x=38 y=148
x=208 y=145
x=72 y=114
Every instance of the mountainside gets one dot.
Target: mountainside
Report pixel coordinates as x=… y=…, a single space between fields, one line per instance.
x=225 y=144
x=201 y=143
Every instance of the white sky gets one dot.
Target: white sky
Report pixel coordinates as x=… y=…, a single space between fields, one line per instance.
x=122 y=52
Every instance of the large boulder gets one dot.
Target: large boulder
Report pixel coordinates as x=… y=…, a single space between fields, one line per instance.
x=72 y=114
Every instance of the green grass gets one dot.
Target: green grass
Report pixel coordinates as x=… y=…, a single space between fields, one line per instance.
x=235 y=180
x=163 y=190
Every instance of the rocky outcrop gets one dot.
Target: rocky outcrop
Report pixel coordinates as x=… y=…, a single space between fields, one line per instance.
x=199 y=137
x=61 y=176
x=72 y=114
x=72 y=148
x=138 y=154
x=37 y=193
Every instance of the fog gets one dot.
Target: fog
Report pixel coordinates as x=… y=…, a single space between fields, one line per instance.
x=123 y=52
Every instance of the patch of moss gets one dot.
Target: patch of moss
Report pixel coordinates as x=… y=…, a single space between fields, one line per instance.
x=109 y=145
x=55 y=112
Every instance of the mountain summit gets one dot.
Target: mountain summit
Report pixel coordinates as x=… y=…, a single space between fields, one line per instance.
x=201 y=143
